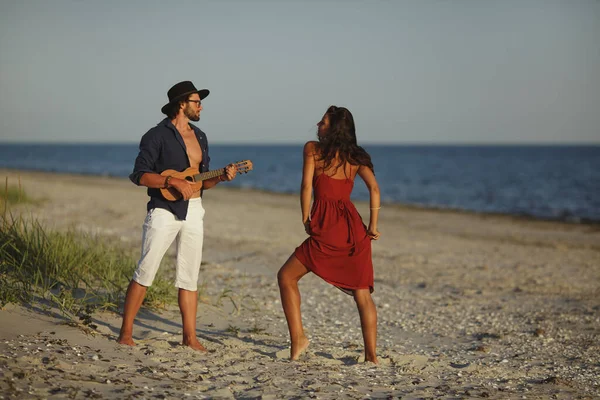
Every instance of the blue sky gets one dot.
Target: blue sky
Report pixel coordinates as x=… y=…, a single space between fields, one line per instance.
x=417 y=71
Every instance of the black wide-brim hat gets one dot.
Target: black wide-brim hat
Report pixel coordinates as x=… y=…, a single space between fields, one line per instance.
x=180 y=91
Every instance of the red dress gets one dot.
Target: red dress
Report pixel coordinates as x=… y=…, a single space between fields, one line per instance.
x=339 y=250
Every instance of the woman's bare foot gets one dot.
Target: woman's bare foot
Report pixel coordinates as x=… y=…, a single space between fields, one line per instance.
x=194 y=344
x=126 y=339
x=372 y=359
x=298 y=348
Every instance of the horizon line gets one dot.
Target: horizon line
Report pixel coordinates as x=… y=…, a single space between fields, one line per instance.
x=275 y=143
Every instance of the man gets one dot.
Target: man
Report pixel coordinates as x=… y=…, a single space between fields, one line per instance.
x=173 y=144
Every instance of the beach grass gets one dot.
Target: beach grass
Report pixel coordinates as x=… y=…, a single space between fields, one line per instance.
x=12 y=195
x=74 y=271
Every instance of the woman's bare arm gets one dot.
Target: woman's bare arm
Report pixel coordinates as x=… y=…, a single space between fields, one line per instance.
x=308 y=171
x=375 y=199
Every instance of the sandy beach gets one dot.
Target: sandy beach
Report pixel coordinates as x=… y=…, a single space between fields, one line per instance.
x=469 y=306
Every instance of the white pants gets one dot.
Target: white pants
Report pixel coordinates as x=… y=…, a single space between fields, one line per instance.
x=159 y=230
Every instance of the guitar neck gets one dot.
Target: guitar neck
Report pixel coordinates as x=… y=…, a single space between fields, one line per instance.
x=208 y=175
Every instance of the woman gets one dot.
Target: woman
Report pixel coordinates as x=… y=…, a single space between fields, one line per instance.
x=339 y=247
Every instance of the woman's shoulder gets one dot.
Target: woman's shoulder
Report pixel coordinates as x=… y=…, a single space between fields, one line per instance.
x=310 y=146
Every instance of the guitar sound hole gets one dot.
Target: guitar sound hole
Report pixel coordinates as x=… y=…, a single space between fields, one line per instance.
x=189 y=179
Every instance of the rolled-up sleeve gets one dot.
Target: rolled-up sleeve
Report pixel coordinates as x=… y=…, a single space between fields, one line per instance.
x=146 y=159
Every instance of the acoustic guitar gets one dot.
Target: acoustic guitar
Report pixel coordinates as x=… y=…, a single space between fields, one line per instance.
x=196 y=177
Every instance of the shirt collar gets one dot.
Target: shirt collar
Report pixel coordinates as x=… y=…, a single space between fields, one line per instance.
x=167 y=122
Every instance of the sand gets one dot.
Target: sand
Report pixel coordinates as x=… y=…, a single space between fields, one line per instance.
x=469 y=305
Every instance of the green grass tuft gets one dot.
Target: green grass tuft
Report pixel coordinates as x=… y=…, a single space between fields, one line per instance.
x=77 y=272
x=74 y=271
x=12 y=195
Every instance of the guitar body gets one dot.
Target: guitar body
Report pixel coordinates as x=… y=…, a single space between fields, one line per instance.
x=171 y=193
x=196 y=177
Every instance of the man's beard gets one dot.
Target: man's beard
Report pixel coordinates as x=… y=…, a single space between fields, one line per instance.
x=188 y=112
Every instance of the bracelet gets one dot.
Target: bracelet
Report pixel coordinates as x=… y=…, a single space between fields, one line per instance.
x=221 y=179
x=375 y=208
x=167 y=179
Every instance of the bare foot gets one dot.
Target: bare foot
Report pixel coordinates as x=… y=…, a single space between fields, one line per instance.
x=297 y=349
x=194 y=344
x=126 y=339
x=372 y=359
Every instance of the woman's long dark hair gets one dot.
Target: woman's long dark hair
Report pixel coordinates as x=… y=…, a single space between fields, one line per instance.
x=340 y=141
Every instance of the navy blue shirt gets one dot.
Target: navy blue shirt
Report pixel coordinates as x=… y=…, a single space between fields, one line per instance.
x=161 y=148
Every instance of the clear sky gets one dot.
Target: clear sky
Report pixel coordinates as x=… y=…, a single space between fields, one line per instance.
x=419 y=71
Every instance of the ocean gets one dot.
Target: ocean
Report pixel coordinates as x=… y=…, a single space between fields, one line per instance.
x=545 y=182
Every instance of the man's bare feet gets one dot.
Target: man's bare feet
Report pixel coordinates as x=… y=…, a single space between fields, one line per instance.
x=298 y=348
x=126 y=339
x=194 y=344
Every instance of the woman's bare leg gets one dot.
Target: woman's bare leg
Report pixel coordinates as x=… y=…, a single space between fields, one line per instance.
x=368 y=322
x=288 y=277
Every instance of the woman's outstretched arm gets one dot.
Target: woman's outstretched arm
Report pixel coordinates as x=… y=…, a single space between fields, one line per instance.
x=308 y=171
x=368 y=176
